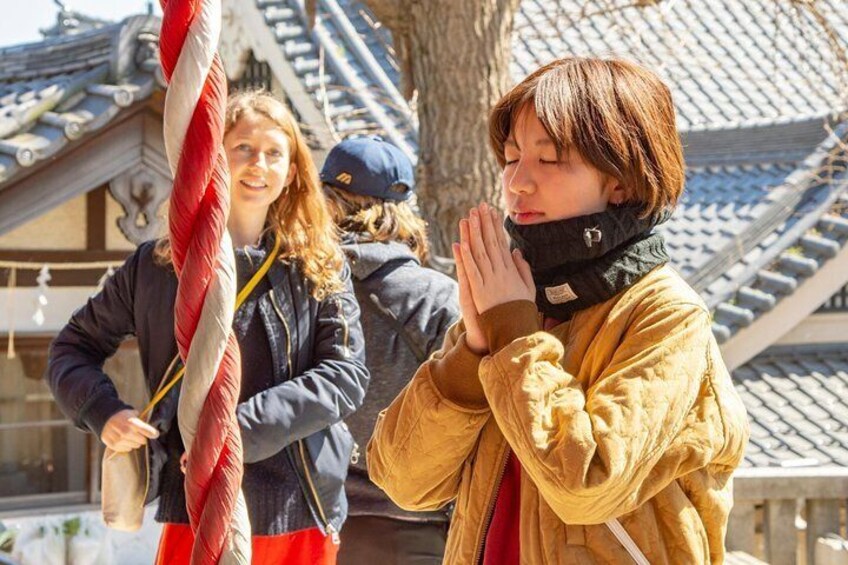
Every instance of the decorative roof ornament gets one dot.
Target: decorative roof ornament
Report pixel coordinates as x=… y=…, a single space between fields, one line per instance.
x=141 y=193
x=69 y=22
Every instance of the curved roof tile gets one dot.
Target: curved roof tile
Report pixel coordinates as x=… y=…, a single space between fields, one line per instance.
x=57 y=91
x=797 y=408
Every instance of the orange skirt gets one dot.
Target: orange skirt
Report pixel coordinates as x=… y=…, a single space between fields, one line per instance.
x=305 y=547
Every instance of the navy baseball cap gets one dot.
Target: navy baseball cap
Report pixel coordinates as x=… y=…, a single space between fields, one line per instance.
x=369 y=166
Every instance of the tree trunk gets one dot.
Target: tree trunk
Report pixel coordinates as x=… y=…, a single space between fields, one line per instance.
x=458 y=54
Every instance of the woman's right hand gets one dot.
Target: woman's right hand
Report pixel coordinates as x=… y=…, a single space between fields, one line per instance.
x=125 y=431
x=474 y=336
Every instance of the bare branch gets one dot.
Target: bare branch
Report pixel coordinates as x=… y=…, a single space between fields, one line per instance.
x=401 y=40
x=311 y=8
x=393 y=14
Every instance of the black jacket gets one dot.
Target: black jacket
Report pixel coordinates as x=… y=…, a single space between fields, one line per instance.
x=321 y=380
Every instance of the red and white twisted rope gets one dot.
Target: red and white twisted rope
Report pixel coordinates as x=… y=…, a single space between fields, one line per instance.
x=203 y=259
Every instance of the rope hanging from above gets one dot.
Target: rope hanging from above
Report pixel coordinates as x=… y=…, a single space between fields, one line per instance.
x=205 y=264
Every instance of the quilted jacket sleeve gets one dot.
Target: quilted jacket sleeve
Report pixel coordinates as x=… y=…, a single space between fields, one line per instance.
x=599 y=453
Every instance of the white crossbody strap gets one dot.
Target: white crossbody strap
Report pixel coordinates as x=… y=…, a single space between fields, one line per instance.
x=624 y=538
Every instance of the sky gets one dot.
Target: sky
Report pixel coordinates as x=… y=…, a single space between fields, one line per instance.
x=20 y=20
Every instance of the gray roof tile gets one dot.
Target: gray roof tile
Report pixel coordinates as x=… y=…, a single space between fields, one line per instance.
x=57 y=91
x=770 y=271
x=365 y=99
x=797 y=405
x=730 y=63
x=719 y=203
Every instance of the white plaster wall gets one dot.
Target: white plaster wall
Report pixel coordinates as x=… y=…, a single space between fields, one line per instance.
x=18 y=306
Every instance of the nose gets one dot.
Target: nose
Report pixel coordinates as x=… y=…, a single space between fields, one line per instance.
x=519 y=180
x=259 y=160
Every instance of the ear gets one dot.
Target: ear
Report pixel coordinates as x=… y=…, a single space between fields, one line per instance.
x=292 y=173
x=617 y=194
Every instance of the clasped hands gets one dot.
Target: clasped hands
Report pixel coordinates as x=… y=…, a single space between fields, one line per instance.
x=489 y=274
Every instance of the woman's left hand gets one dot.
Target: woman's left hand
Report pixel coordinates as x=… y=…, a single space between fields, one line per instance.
x=496 y=275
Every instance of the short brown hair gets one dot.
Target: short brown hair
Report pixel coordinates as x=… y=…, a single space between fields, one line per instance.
x=380 y=220
x=617 y=115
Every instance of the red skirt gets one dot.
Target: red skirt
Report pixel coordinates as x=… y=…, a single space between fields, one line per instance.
x=305 y=547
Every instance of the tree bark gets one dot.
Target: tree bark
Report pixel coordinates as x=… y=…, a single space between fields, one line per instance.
x=458 y=54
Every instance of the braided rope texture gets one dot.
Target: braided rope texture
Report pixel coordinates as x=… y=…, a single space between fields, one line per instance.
x=205 y=265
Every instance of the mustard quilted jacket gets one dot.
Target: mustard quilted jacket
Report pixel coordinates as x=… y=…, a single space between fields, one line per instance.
x=626 y=411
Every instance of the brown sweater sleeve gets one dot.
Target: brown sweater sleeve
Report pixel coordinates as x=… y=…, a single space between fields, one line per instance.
x=507 y=322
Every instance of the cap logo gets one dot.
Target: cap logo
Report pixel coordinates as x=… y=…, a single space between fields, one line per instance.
x=560 y=294
x=344 y=178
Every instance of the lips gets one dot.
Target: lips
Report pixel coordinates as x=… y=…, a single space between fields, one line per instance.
x=526 y=217
x=253 y=184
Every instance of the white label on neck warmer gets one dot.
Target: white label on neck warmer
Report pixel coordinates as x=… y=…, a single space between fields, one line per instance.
x=560 y=294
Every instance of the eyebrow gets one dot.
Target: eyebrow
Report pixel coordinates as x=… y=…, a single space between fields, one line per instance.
x=249 y=137
x=538 y=143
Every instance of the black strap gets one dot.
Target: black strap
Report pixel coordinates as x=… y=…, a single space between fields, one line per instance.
x=396 y=324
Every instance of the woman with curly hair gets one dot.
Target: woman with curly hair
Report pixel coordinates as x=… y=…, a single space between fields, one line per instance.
x=301 y=348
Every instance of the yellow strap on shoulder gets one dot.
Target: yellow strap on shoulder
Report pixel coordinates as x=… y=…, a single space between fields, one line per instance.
x=240 y=298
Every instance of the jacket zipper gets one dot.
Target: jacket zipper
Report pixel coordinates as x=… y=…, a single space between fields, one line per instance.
x=286 y=326
x=346 y=334
x=490 y=512
x=334 y=535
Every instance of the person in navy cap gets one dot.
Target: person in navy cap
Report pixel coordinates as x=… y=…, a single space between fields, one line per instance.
x=406 y=310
